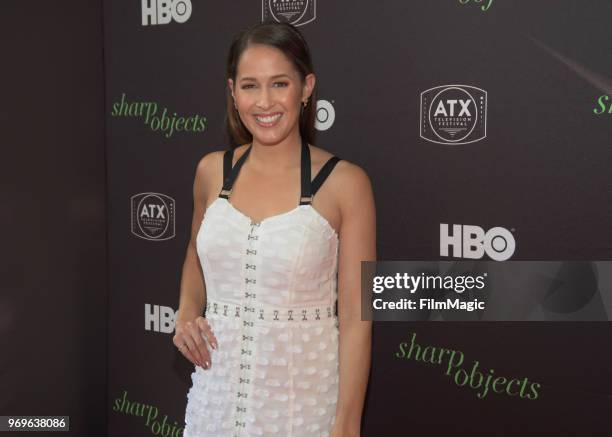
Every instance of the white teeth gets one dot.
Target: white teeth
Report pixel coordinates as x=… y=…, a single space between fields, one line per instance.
x=269 y=119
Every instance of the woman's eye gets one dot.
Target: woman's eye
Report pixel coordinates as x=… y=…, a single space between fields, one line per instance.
x=244 y=87
x=280 y=84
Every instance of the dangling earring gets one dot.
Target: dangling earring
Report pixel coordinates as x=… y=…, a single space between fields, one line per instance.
x=303 y=106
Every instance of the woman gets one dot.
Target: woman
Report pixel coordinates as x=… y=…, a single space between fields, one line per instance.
x=269 y=260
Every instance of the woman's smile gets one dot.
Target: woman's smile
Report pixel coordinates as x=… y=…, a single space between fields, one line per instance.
x=268 y=119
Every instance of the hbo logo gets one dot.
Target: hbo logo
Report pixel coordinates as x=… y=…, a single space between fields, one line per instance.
x=159 y=318
x=473 y=242
x=163 y=11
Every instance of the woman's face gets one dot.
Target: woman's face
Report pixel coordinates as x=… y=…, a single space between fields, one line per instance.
x=268 y=93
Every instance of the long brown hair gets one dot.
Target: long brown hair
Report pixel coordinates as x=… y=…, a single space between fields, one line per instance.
x=290 y=41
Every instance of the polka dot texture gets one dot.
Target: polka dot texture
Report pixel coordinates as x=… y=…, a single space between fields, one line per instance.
x=272 y=375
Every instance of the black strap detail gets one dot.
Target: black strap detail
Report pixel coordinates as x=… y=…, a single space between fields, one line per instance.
x=306 y=196
x=230 y=173
x=323 y=173
x=308 y=188
x=228 y=157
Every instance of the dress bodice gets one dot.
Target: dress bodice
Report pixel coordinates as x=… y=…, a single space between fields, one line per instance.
x=288 y=260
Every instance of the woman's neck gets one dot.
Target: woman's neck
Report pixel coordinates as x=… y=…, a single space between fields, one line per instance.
x=280 y=156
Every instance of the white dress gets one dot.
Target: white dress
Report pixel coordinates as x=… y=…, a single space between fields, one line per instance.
x=271 y=293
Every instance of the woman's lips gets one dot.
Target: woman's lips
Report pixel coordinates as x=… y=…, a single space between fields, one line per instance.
x=268 y=120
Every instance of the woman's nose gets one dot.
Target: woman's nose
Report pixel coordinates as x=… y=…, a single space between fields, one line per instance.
x=264 y=100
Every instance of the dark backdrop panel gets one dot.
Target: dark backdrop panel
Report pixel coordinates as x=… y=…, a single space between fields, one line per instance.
x=541 y=172
x=54 y=290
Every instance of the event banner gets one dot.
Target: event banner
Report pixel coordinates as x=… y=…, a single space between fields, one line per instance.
x=485 y=129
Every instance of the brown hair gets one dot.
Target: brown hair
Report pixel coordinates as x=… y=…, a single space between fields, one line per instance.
x=290 y=41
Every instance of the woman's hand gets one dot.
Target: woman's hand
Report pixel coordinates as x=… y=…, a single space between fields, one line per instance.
x=191 y=339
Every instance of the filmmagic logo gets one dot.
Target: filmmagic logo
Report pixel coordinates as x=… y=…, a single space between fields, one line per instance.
x=152 y=216
x=326 y=115
x=166 y=122
x=159 y=318
x=453 y=114
x=473 y=242
x=296 y=12
x=164 y=11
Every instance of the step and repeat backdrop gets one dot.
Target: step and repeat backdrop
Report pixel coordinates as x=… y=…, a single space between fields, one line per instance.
x=486 y=129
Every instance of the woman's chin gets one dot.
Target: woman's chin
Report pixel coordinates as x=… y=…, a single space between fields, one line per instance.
x=269 y=137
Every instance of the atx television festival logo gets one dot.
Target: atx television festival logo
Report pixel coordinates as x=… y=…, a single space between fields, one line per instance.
x=296 y=12
x=473 y=242
x=164 y=11
x=453 y=114
x=153 y=216
x=159 y=122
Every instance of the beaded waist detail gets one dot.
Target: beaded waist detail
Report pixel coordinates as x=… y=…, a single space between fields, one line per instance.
x=269 y=312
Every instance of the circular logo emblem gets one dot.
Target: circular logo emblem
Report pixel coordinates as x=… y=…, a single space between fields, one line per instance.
x=290 y=11
x=499 y=244
x=152 y=216
x=326 y=115
x=453 y=114
x=181 y=10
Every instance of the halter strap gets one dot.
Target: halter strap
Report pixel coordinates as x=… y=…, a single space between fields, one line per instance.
x=231 y=173
x=306 y=196
x=308 y=188
x=323 y=173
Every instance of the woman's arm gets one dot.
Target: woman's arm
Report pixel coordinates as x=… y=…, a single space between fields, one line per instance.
x=357 y=243
x=192 y=299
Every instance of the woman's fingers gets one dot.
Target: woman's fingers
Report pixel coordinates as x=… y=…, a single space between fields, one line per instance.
x=197 y=346
x=182 y=345
x=189 y=341
x=185 y=351
x=207 y=332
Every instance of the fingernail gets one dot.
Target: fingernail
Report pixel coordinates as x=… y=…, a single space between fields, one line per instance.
x=207 y=364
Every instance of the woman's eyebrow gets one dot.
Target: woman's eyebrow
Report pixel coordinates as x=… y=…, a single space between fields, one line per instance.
x=276 y=76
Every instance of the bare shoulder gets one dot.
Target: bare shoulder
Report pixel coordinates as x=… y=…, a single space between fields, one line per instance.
x=346 y=177
x=351 y=182
x=209 y=172
x=348 y=182
x=210 y=160
x=209 y=165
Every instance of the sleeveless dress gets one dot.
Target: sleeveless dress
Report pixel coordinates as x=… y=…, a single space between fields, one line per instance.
x=271 y=294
